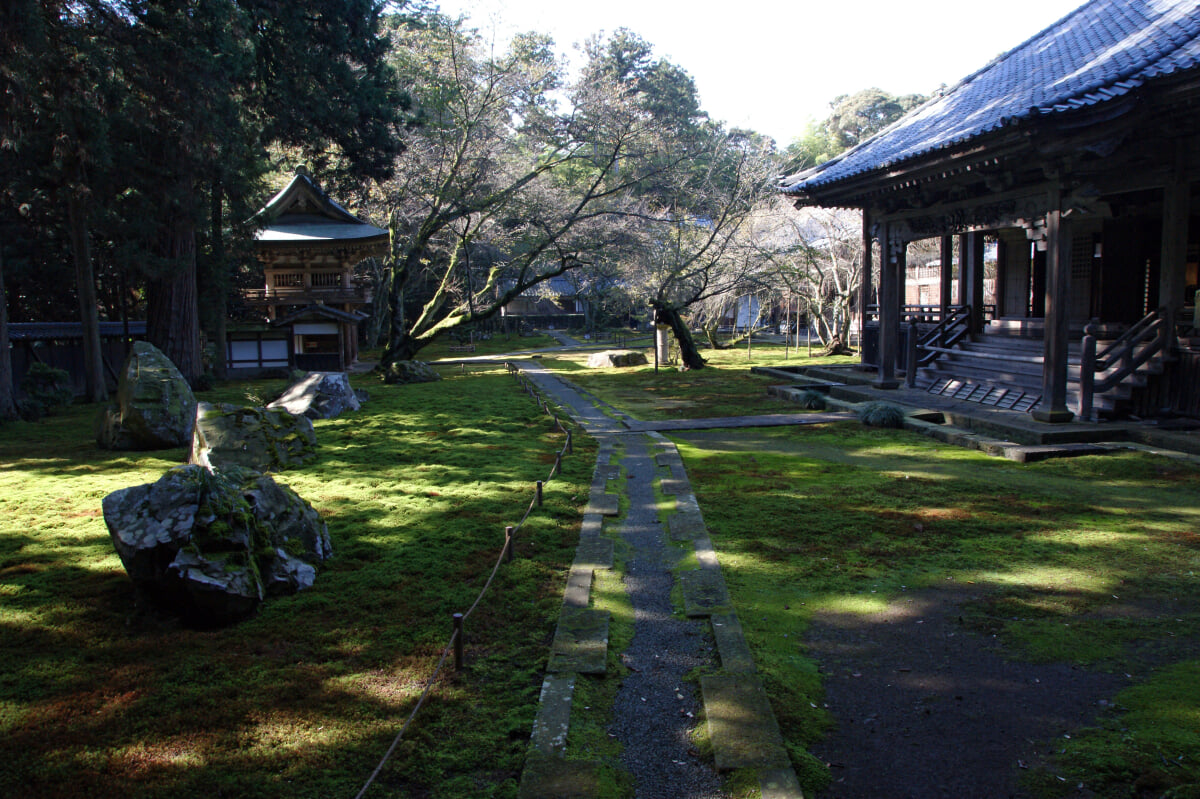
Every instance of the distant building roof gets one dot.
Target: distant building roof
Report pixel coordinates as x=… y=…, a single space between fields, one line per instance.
x=303 y=214
x=309 y=312
x=57 y=331
x=1104 y=50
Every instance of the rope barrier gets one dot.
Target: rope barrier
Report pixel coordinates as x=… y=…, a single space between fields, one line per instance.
x=455 y=642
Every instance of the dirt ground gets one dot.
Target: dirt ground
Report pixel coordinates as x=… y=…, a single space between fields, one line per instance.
x=926 y=708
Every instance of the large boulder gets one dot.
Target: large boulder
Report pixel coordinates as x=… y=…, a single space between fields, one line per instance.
x=154 y=407
x=409 y=372
x=211 y=546
x=319 y=395
x=616 y=358
x=253 y=438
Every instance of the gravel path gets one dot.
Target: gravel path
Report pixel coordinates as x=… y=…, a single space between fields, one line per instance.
x=656 y=707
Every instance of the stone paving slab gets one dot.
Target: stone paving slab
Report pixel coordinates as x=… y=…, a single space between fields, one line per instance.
x=685 y=526
x=741 y=725
x=731 y=644
x=591 y=527
x=580 y=642
x=675 y=487
x=779 y=783
x=595 y=553
x=555 y=778
x=579 y=587
x=704 y=593
x=554 y=714
x=605 y=505
x=686 y=503
x=705 y=552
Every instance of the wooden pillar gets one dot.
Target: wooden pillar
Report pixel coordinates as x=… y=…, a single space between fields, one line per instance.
x=890 y=301
x=947 y=275
x=1001 y=278
x=1053 y=407
x=1172 y=272
x=973 y=273
x=864 y=288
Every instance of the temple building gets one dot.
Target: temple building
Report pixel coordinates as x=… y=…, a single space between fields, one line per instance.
x=1076 y=154
x=310 y=302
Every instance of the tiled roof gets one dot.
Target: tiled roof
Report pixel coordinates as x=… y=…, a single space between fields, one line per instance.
x=302 y=213
x=48 y=331
x=1103 y=50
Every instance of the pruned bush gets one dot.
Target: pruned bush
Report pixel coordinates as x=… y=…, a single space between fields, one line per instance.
x=46 y=390
x=881 y=414
x=812 y=400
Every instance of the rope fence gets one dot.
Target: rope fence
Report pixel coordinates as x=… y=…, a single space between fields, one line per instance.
x=457 y=642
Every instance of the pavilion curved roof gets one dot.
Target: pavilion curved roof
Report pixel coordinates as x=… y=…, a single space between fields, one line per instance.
x=302 y=214
x=1102 y=51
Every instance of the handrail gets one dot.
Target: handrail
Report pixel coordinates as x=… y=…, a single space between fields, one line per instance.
x=1134 y=332
x=1139 y=344
x=937 y=341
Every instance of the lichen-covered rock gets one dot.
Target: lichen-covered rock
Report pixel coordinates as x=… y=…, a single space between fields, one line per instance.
x=616 y=358
x=210 y=546
x=252 y=438
x=410 y=372
x=154 y=407
x=319 y=395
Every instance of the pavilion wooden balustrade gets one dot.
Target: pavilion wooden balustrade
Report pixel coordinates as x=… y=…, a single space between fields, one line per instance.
x=307 y=295
x=923 y=350
x=928 y=313
x=1119 y=358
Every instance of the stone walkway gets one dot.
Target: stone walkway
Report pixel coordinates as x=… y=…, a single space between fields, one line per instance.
x=656 y=706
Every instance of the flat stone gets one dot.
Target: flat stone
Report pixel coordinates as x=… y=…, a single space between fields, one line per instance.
x=669 y=459
x=595 y=554
x=546 y=777
x=591 y=527
x=686 y=503
x=704 y=593
x=685 y=526
x=742 y=727
x=674 y=486
x=1042 y=452
x=554 y=715
x=605 y=505
x=779 y=783
x=580 y=642
x=731 y=644
x=579 y=587
x=705 y=553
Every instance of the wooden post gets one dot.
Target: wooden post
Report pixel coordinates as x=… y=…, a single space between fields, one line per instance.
x=539 y=493
x=864 y=289
x=569 y=449
x=910 y=362
x=973 y=269
x=891 y=261
x=1053 y=407
x=945 y=300
x=1087 y=374
x=1173 y=267
x=458 y=641
x=508 y=543
x=557 y=465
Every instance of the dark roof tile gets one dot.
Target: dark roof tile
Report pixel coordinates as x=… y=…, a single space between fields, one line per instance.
x=1102 y=51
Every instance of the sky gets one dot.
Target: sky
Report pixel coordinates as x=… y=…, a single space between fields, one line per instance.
x=774 y=65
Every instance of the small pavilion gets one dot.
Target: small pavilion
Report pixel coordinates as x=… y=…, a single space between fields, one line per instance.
x=1077 y=153
x=308 y=245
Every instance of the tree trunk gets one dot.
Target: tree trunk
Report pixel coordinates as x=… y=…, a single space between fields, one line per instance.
x=689 y=355
x=172 y=313
x=89 y=312
x=8 y=404
x=214 y=287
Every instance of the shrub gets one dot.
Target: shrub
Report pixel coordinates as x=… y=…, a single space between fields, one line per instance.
x=812 y=400
x=881 y=414
x=46 y=390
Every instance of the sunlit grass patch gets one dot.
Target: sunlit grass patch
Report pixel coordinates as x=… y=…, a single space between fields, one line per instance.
x=97 y=699
x=1090 y=560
